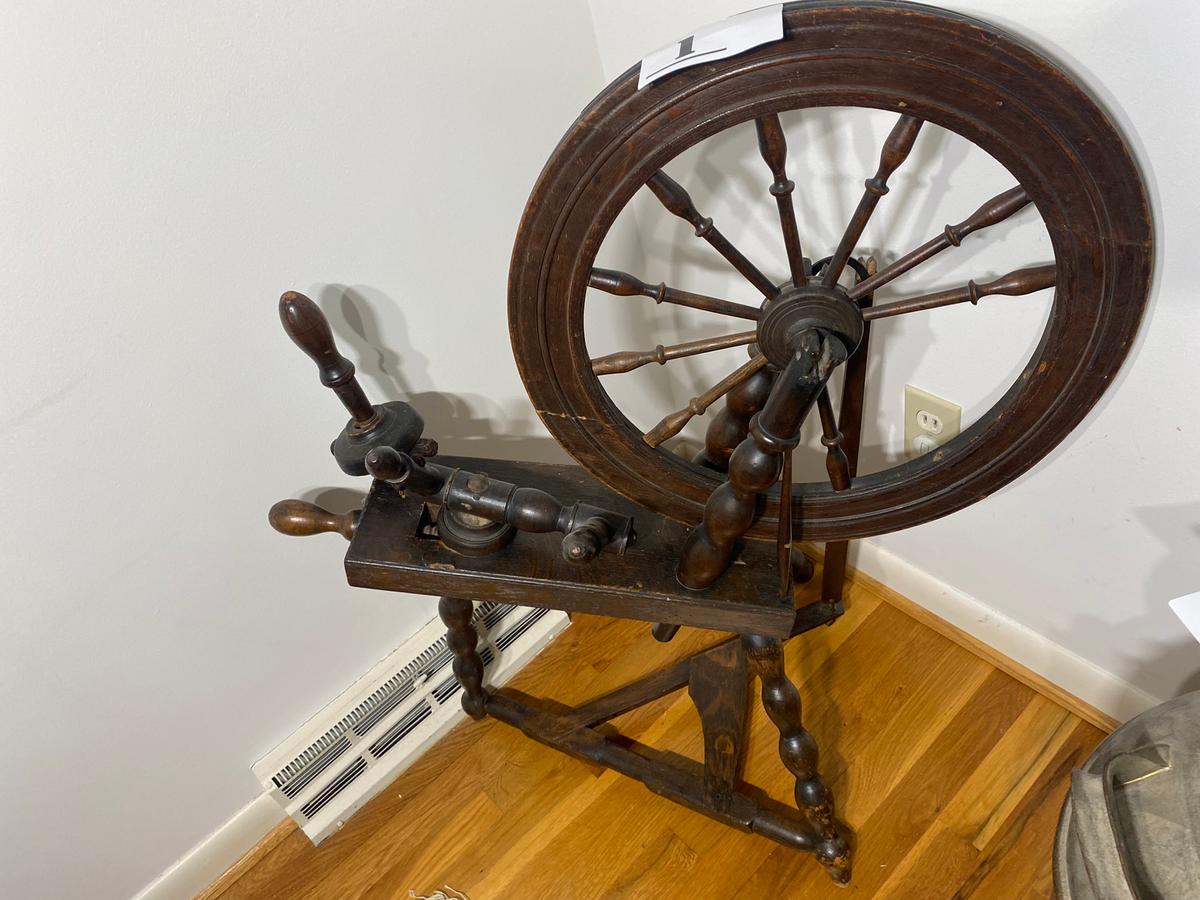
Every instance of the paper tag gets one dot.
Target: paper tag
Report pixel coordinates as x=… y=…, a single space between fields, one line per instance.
x=720 y=40
x=1188 y=610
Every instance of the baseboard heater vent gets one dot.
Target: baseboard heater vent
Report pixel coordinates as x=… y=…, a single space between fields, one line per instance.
x=352 y=749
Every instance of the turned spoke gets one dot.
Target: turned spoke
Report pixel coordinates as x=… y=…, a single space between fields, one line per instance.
x=628 y=360
x=773 y=146
x=677 y=201
x=994 y=211
x=675 y=422
x=1021 y=281
x=895 y=150
x=625 y=285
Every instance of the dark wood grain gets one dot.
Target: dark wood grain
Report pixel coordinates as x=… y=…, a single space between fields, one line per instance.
x=625 y=285
x=731 y=424
x=798 y=750
x=298 y=518
x=639 y=584
x=994 y=211
x=462 y=638
x=674 y=423
x=950 y=71
x=896 y=147
x=628 y=360
x=719 y=687
x=679 y=202
x=772 y=144
x=1021 y=281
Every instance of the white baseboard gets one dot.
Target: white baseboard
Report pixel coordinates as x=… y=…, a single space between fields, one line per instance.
x=208 y=860
x=1096 y=686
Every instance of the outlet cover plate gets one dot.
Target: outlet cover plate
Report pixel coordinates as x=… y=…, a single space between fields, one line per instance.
x=916 y=402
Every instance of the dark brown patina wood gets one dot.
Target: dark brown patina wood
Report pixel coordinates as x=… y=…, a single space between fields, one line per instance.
x=719 y=688
x=941 y=68
x=386 y=554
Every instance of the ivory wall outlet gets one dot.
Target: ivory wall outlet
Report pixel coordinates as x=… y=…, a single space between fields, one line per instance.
x=929 y=421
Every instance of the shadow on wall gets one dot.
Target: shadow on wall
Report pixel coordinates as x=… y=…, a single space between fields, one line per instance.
x=1165 y=668
x=1175 y=574
x=457 y=422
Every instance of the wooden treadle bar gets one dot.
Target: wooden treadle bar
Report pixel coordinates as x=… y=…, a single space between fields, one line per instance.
x=667 y=781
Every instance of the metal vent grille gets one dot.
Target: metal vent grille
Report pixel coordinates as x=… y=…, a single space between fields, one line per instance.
x=335 y=787
x=391 y=715
x=401 y=729
x=510 y=637
x=314 y=767
x=446 y=689
x=299 y=773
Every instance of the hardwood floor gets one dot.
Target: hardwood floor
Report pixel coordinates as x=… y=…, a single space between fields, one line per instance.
x=949 y=771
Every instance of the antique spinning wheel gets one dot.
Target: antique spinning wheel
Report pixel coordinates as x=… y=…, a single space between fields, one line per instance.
x=927 y=66
x=472 y=529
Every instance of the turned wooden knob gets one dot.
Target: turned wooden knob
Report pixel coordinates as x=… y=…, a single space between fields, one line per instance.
x=309 y=330
x=298 y=518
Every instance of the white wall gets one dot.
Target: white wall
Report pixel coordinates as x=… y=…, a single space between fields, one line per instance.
x=165 y=172
x=1085 y=550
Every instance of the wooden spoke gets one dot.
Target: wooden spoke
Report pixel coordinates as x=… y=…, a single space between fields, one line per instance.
x=895 y=150
x=773 y=146
x=671 y=195
x=674 y=423
x=994 y=211
x=628 y=360
x=1022 y=281
x=625 y=285
x=836 y=461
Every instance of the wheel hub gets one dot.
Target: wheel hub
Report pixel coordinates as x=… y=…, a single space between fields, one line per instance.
x=798 y=309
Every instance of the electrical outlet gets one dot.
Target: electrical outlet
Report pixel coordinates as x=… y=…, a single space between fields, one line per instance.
x=929 y=421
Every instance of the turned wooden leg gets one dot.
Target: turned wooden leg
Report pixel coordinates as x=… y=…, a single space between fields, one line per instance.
x=798 y=750
x=755 y=466
x=468 y=665
x=730 y=426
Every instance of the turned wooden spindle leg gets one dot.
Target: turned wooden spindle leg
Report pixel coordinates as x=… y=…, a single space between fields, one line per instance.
x=757 y=462
x=468 y=665
x=798 y=750
x=731 y=425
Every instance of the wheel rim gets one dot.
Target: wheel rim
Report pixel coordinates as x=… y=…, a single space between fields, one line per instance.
x=950 y=71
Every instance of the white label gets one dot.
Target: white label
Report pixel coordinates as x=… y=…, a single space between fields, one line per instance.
x=1188 y=610
x=720 y=40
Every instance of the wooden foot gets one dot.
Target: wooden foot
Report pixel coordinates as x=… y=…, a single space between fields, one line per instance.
x=463 y=640
x=798 y=750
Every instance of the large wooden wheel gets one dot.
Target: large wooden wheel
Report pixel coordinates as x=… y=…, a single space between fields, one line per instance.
x=927 y=66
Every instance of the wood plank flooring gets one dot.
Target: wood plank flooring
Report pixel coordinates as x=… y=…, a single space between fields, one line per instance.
x=949 y=771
